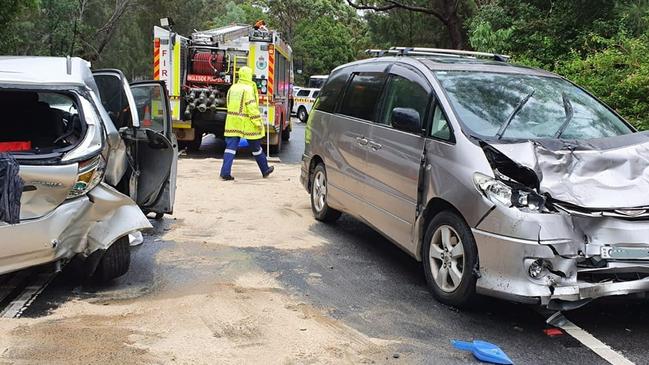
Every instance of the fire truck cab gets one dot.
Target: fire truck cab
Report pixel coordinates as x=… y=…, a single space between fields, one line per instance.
x=200 y=69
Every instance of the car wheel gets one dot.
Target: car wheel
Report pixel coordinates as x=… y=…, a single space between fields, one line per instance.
x=115 y=261
x=286 y=134
x=449 y=256
x=195 y=145
x=302 y=115
x=321 y=211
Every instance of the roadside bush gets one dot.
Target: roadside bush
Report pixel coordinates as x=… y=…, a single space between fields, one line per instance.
x=618 y=74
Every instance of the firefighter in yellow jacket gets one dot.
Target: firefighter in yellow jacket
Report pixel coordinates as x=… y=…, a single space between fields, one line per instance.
x=243 y=121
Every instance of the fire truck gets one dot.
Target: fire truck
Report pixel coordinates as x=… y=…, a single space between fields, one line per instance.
x=200 y=69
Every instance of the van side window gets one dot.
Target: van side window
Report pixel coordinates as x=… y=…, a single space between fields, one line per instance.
x=362 y=95
x=332 y=90
x=440 y=128
x=403 y=93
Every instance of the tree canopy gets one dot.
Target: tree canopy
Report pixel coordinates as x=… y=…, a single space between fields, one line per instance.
x=600 y=44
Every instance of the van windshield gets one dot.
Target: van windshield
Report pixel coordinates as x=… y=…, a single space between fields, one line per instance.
x=512 y=106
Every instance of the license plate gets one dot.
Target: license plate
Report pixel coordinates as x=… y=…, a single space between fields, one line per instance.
x=625 y=253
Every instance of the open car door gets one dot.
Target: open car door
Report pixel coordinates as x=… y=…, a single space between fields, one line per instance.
x=142 y=114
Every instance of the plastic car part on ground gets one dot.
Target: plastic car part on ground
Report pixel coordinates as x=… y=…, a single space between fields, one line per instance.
x=484 y=351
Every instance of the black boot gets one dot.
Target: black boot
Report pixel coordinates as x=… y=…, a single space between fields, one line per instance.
x=268 y=172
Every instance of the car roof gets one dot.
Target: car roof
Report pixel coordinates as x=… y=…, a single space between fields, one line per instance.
x=455 y=63
x=45 y=71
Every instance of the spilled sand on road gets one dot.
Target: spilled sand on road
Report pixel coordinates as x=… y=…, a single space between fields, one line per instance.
x=247 y=212
x=232 y=312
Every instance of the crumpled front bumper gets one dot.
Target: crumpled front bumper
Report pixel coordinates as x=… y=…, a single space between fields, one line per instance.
x=510 y=240
x=78 y=226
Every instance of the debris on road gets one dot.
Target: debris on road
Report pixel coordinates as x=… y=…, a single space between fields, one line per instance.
x=484 y=351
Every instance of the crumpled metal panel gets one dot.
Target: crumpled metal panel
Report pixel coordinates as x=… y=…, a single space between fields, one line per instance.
x=603 y=173
x=78 y=226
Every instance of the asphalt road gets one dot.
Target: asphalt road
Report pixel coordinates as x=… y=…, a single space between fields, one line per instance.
x=291 y=150
x=364 y=281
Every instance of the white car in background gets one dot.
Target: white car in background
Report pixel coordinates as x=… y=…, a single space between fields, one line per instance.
x=303 y=103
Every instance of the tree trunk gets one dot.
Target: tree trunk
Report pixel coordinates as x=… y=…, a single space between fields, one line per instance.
x=453 y=25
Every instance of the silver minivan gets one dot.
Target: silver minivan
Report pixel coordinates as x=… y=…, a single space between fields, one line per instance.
x=504 y=180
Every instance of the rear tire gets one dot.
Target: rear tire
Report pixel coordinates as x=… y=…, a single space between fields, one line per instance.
x=115 y=262
x=286 y=134
x=321 y=210
x=450 y=256
x=195 y=144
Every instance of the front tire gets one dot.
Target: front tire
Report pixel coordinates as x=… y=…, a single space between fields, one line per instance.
x=450 y=255
x=115 y=262
x=321 y=210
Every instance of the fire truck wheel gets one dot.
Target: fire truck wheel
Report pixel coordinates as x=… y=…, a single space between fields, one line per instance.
x=195 y=145
x=286 y=134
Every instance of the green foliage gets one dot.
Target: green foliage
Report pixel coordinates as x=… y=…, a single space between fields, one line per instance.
x=618 y=74
x=322 y=45
x=485 y=39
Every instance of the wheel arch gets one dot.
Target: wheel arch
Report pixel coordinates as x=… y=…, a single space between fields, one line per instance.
x=434 y=206
x=315 y=160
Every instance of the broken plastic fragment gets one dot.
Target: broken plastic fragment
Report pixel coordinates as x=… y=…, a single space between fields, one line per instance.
x=484 y=351
x=553 y=332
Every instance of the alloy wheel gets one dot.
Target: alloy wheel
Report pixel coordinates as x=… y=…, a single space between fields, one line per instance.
x=319 y=191
x=446 y=258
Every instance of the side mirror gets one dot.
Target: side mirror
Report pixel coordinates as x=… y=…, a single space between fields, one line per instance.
x=406 y=119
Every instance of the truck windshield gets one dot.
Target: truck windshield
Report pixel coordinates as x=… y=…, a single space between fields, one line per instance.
x=511 y=106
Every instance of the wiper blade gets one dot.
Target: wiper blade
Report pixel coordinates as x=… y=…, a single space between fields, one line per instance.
x=517 y=109
x=567 y=107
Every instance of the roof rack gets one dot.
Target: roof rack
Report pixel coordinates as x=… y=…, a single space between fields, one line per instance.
x=419 y=51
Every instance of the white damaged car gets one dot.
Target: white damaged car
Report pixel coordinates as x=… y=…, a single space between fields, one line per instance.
x=95 y=155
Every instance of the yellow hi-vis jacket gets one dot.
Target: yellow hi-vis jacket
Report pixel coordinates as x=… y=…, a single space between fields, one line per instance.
x=244 y=119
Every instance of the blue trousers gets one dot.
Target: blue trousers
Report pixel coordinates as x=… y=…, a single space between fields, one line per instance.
x=231 y=145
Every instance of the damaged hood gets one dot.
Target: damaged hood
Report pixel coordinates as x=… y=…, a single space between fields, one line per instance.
x=602 y=173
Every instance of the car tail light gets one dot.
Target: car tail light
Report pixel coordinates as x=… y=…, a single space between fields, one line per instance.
x=90 y=174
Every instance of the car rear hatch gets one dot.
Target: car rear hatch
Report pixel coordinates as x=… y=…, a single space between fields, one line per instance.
x=56 y=137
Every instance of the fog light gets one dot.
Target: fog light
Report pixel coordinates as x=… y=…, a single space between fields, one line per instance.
x=536 y=268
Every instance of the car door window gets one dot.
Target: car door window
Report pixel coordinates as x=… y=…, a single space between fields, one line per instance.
x=315 y=94
x=332 y=90
x=151 y=106
x=403 y=93
x=114 y=99
x=362 y=95
x=440 y=128
x=303 y=93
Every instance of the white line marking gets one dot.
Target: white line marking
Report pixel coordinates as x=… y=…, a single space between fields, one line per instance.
x=26 y=298
x=588 y=340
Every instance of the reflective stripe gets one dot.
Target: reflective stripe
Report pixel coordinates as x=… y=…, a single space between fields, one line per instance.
x=258 y=152
x=232 y=152
x=237 y=131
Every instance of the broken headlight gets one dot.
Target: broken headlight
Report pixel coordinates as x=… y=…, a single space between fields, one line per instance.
x=90 y=174
x=501 y=193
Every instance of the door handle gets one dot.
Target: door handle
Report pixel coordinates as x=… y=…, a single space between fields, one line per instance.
x=362 y=141
x=375 y=146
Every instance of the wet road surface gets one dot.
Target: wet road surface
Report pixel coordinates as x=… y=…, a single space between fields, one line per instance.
x=362 y=280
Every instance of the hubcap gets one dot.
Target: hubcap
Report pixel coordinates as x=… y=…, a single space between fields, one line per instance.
x=319 y=191
x=446 y=258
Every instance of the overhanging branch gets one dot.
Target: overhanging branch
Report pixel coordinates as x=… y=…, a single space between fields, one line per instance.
x=393 y=4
